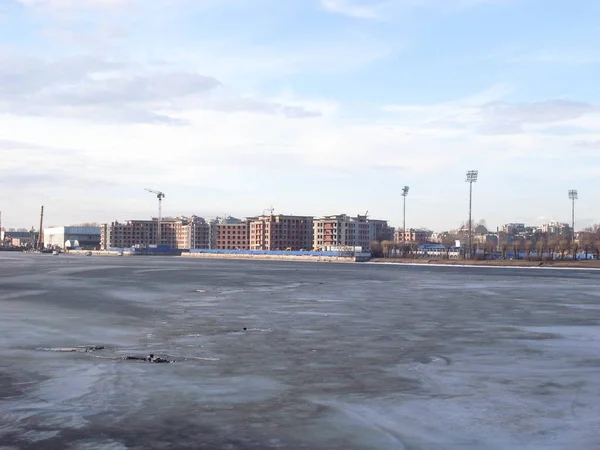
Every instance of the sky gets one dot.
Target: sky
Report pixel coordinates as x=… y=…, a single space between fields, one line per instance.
x=313 y=107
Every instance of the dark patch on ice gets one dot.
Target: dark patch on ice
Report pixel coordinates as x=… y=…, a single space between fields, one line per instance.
x=153 y=432
x=445 y=359
x=84 y=349
x=8 y=386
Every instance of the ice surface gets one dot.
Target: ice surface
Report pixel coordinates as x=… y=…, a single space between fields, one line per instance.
x=332 y=356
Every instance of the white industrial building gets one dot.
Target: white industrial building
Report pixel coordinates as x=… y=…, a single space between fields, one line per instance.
x=86 y=238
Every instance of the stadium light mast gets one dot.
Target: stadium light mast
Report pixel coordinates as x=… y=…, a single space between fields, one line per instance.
x=471 y=178
x=404 y=195
x=573 y=195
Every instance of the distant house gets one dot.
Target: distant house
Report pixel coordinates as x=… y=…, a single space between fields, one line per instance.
x=480 y=229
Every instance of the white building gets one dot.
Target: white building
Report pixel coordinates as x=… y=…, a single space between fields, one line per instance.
x=87 y=238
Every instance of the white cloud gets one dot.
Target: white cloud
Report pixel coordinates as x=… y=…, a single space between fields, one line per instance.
x=385 y=9
x=363 y=9
x=97 y=89
x=488 y=113
x=560 y=56
x=75 y=3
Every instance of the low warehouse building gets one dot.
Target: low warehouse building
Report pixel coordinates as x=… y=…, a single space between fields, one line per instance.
x=86 y=238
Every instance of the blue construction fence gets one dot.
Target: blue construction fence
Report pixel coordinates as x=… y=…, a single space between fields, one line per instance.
x=269 y=252
x=158 y=249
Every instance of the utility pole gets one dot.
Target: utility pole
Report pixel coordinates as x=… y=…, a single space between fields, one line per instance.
x=573 y=195
x=404 y=194
x=471 y=178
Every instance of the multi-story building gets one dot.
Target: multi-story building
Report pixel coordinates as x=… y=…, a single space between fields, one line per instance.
x=178 y=233
x=280 y=232
x=343 y=230
x=513 y=228
x=413 y=235
x=556 y=228
x=230 y=234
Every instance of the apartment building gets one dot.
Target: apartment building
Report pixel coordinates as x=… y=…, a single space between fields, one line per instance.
x=230 y=234
x=556 y=228
x=280 y=232
x=513 y=228
x=413 y=235
x=347 y=231
x=178 y=233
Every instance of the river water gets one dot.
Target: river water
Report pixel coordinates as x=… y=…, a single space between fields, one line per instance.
x=333 y=356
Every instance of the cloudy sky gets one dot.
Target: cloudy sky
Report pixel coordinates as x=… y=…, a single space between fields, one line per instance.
x=311 y=106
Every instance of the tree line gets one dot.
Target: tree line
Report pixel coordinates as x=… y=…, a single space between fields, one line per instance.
x=535 y=246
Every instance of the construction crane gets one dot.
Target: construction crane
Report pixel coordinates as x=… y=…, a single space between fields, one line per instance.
x=159 y=196
x=40 y=240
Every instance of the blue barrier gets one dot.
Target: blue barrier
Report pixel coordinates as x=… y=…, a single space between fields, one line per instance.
x=232 y=252
x=268 y=252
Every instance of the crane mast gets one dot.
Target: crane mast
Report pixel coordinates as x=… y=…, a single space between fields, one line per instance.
x=159 y=195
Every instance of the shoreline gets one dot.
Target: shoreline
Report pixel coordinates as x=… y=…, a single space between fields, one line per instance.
x=591 y=264
x=329 y=259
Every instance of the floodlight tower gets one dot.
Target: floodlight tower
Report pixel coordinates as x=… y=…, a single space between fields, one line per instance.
x=573 y=196
x=471 y=178
x=404 y=195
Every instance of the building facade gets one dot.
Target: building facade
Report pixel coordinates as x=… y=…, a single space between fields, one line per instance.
x=86 y=238
x=413 y=235
x=513 y=228
x=177 y=233
x=230 y=233
x=17 y=238
x=556 y=228
x=280 y=232
x=346 y=231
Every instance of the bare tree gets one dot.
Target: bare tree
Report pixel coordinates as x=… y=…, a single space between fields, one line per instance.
x=376 y=250
x=597 y=248
x=574 y=249
x=516 y=245
x=386 y=247
x=87 y=224
x=563 y=246
x=586 y=242
x=504 y=246
x=553 y=246
x=528 y=248
x=540 y=247
x=489 y=249
x=448 y=242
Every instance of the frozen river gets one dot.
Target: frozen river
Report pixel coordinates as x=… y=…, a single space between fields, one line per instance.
x=348 y=356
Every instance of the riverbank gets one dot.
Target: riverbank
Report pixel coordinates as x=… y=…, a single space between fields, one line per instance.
x=96 y=253
x=305 y=258
x=333 y=259
x=590 y=264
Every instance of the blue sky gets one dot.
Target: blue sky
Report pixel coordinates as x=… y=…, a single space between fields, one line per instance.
x=312 y=106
